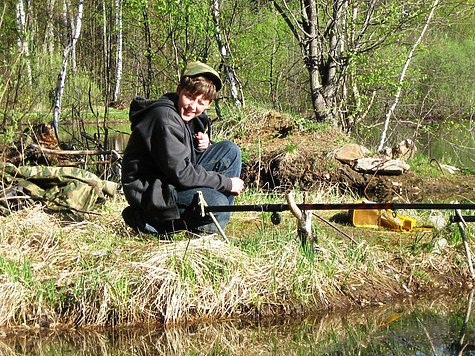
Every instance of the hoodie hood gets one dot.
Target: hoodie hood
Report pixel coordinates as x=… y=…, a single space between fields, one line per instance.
x=140 y=106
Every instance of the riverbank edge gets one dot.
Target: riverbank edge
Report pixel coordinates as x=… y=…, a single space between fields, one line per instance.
x=99 y=273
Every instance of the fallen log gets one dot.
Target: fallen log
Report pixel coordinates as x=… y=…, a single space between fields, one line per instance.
x=87 y=163
x=75 y=152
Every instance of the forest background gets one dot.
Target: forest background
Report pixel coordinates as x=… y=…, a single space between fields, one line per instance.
x=346 y=63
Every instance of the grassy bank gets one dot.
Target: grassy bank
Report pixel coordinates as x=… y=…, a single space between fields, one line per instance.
x=58 y=272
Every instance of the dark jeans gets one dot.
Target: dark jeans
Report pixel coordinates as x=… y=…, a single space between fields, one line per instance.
x=223 y=157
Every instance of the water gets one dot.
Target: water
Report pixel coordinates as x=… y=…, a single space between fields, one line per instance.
x=435 y=325
x=451 y=142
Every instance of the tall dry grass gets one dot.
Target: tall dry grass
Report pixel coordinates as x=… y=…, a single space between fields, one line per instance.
x=55 y=271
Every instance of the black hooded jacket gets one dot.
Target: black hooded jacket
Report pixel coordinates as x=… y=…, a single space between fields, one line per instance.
x=160 y=157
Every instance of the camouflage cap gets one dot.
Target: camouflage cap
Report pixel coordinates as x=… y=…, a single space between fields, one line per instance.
x=194 y=69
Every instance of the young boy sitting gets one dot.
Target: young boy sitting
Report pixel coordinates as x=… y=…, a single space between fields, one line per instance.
x=170 y=157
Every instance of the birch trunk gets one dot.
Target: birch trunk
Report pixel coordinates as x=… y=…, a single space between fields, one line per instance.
x=403 y=75
x=73 y=47
x=228 y=70
x=313 y=54
x=118 y=68
x=23 y=38
x=64 y=66
x=4 y=10
x=105 y=48
x=48 y=44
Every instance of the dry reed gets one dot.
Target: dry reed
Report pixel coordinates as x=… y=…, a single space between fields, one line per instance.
x=98 y=272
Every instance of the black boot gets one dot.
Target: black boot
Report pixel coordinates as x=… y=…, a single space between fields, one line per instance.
x=132 y=217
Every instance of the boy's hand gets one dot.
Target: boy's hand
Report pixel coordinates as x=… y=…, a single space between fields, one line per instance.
x=203 y=140
x=238 y=185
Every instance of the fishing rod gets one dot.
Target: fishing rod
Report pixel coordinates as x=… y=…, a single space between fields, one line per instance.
x=339 y=206
x=364 y=205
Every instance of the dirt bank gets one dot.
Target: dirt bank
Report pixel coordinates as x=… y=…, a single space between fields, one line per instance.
x=279 y=154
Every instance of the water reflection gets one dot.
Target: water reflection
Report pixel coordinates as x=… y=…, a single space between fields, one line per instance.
x=449 y=141
x=440 y=325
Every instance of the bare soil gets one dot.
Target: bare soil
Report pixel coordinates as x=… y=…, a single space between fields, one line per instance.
x=278 y=154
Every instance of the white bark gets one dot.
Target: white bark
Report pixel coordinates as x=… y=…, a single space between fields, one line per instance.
x=64 y=20
x=73 y=49
x=64 y=66
x=105 y=42
x=402 y=76
x=48 y=45
x=3 y=14
x=224 y=56
x=118 y=68
x=23 y=38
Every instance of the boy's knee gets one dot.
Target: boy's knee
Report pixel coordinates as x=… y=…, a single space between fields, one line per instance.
x=220 y=200
x=229 y=145
x=232 y=149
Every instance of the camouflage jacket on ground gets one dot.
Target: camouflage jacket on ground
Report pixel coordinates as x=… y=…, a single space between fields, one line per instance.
x=59 y=188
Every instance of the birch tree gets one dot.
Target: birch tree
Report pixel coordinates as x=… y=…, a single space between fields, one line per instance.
x=73 y=47
x=106 y=51
x=323 y=31
x=403 y=75
x=118 y=59
x=64 y=66
x=23 y=38
x=228 y=69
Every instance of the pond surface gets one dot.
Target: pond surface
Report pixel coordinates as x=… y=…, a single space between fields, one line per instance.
x=436 y=325
x=448 y=141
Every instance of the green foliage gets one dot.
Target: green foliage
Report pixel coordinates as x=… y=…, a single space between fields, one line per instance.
x=18 y=271
x=10 y=132
x=446 y=80
x=379 y=71
x=80 y=90
x=290 y=148
x=266 y=58
x=161 y=35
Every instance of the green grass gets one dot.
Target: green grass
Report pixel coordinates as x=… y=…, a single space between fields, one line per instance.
x=422 y=166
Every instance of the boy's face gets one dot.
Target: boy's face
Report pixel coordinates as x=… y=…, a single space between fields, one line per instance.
x=191 y=105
